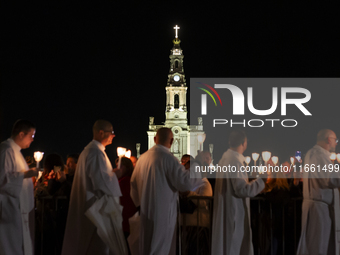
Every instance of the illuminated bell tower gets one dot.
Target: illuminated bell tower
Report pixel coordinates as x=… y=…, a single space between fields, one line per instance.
x=176 y=108
x=176 y=90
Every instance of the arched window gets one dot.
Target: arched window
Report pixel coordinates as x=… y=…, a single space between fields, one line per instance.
x=176 y=100
x=176 y=64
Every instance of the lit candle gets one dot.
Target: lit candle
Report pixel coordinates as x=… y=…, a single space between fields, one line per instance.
x=121 y=153
x=332 y=156
x=275 y=159
x=266 y=156
x=255 y=157
x=38 y=155
x=128 y=154
x=247 y=160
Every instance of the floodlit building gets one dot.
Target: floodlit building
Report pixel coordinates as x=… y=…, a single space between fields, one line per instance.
x=186 y=137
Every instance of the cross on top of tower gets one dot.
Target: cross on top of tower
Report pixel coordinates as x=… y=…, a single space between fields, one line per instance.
x=176 y=33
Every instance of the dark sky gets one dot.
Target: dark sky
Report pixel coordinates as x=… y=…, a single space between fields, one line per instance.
x=66 y=65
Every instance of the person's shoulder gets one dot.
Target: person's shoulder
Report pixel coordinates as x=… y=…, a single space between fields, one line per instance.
x=318 y=154
x=162 y=151
x=229 y=157
x=93 y=151
x=5 y=146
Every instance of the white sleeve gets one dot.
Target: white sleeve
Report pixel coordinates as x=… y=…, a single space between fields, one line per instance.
x=180 y=178
x=243 y=188
x=10 y=180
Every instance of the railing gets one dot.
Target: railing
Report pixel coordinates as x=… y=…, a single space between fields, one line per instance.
x=259 y=213
x=47 y=210
x=197 y=227
x=196 y=237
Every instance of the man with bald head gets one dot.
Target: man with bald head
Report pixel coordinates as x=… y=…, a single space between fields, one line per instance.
x=320 y=230
x=93 y=179
x=155 y=183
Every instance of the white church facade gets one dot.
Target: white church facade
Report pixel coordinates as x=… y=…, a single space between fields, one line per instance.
x=176 y=110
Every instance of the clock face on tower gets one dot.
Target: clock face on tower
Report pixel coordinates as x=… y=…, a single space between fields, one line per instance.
x=176 y=78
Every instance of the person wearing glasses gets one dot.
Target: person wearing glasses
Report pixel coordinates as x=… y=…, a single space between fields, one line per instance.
x=320 y=230
x=94 y=179
x=16 y=192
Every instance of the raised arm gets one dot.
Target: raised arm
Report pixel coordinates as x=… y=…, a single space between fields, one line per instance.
x=180 y=178
x=243 y=188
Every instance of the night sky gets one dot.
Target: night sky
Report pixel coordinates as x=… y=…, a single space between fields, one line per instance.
x=66 y=65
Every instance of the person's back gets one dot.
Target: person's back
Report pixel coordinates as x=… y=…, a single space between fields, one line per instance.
x=160 y=162
x=231 y=216
x=154 y=184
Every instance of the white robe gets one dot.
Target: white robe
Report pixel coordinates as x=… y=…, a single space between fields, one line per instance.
x=154 y=184
x=320 y=227
x=93 y=179
x=16 y=202
x=231 y=232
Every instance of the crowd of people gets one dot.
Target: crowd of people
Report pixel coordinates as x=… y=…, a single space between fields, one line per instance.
x=88 y=206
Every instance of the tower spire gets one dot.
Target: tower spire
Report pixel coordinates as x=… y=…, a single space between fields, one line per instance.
x=176 y=29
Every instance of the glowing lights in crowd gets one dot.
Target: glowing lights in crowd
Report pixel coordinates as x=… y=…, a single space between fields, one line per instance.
x=275 y=159
x=255 y=157
x=38 y=155
x=247 y=160
x=266 y=156
x=121 y=153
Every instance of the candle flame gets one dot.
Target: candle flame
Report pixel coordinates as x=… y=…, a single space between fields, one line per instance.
x=38 y=155
x=332 y=156
x=266 y=155
x=121 y=151
x=255 y=156
x=128 y=154
x=275 y=159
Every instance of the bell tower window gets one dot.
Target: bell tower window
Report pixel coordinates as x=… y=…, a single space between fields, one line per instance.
x=176 y=101
x=176 y=64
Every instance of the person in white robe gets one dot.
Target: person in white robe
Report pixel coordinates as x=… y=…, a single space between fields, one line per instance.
x=231 y=231
x=16 y=192
x=320 y=231
x=155 y=183
x=93 y=179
